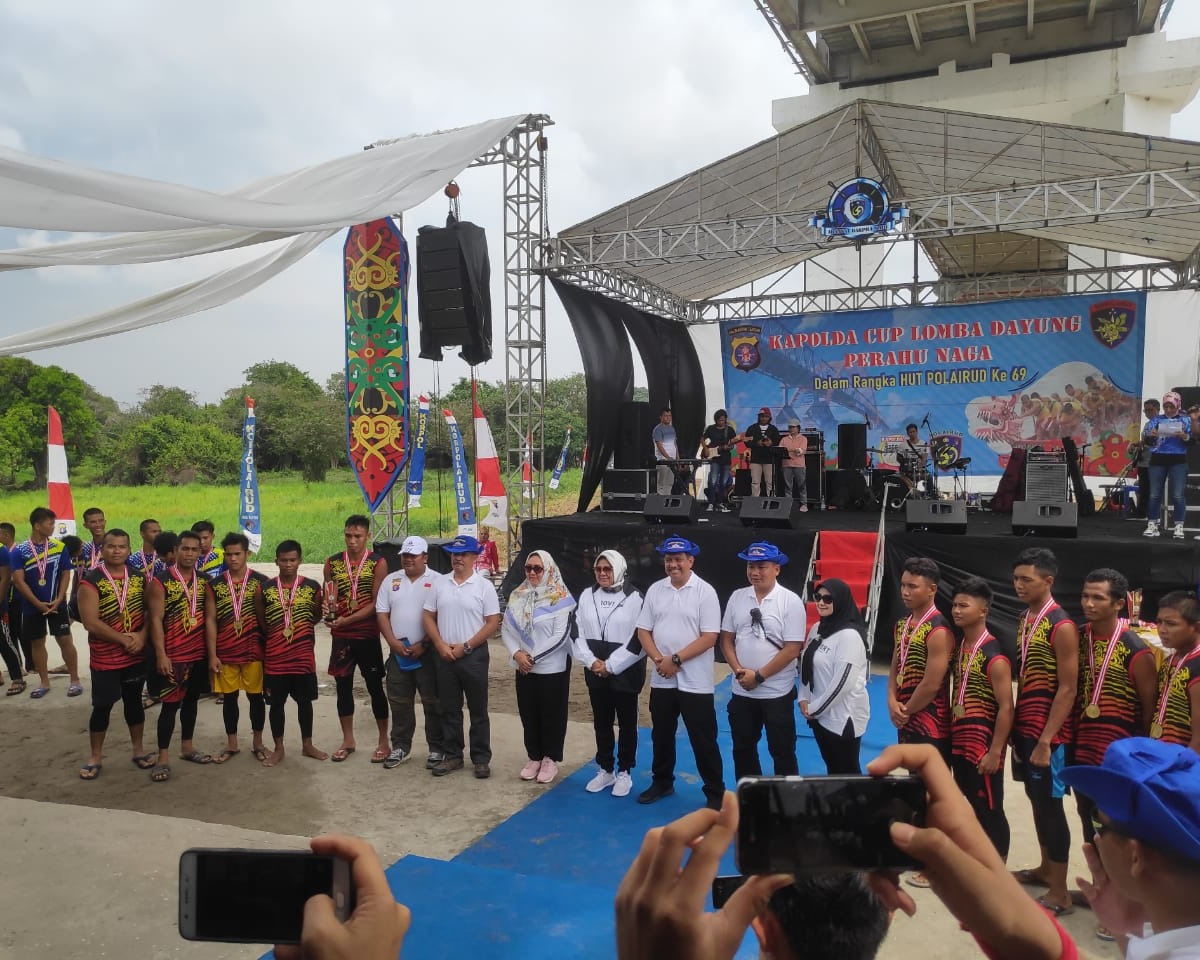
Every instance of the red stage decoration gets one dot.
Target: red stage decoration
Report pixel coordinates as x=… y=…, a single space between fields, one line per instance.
x=376 y=273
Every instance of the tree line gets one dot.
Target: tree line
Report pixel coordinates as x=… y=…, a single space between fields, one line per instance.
x=168 y=437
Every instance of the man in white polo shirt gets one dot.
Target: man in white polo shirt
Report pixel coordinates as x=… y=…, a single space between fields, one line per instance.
x=678 y=629
x=411 y=667
x=761 y=637
x=462 y=612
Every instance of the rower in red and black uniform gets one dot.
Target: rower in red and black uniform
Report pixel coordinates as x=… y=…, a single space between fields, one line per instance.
x=352 y=580
x=982 y=710
x=1118 y=679
x=176 y=612
x=919 y=679
x=1047 y=679
x=288 y=609
x=1179 y=674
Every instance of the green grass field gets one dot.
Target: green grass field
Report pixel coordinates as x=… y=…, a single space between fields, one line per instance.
x=312 y=513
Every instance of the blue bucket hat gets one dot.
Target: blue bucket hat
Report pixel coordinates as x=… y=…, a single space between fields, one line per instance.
x=678 y=545
x=1150 y=789
x=762 y=551
x=463 y=544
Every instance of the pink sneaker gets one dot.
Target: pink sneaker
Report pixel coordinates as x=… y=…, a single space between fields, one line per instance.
x=548 y=771
x=531 y=769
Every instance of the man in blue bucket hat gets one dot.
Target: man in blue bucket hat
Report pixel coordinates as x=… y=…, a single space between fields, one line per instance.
x=678 y=628
x=761 y=636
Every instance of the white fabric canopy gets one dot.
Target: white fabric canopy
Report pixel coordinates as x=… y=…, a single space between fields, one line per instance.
x=162 y=221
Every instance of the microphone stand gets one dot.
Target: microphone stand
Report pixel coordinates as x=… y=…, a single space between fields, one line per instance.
x=931 y=474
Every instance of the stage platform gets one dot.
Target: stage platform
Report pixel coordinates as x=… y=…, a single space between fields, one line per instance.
x=986 y=549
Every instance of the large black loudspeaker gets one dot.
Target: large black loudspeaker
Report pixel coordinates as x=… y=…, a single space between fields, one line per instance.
x=767 y=512
x=1045 y=519
x=852 y=446
x=454 y=300
x=673 y=508
x=936 y=516
x=635 y=448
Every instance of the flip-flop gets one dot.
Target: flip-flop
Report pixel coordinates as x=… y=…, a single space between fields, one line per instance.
x=90 y=771
x=341 y=753
x=161 y=773
x=196 y=757
x=917 y=880
x=225 y=755
x=59 y=671
x=379 y=755
x=260 y=753
x=18 y=686
x=1055 y=909
x=1028 y=878
x=74 y=690
x=144 y=761
x=38 y=693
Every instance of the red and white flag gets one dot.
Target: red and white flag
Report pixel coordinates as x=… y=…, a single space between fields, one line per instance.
x=489 y=487
x=527 y=469
x=58 y=486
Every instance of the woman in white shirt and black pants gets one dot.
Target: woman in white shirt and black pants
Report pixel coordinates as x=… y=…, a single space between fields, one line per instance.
x=833 y=678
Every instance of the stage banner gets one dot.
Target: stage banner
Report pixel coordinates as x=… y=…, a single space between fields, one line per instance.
x=561 y=464
x=248 y=511
x=979 y=379
x=376 y=286
x=58 y=484
x=416 y=466
x=462 y=479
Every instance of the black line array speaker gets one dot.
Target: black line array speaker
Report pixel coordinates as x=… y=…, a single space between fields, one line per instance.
x=767 y=512
x=635 y=424
x=1045 y=519
x=454 y=299
x=852 y=446
x=672 y=508
x=936 y=516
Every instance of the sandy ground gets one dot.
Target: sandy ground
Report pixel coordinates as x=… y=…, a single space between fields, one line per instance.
x=90 y=868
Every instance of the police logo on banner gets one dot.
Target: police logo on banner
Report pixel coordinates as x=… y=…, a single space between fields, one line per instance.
x=946 y=449
x=1113 y=321
x=859 y=208
x=743 y=347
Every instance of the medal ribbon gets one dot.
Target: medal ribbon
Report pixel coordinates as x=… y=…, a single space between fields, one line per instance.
x=354 y=573
x=1161 y=716
x=193 y=598
x=121 y=596
x=236 y=598
x=1028 y=630
x=909 y=632
x=42 y=560
x=1113 y=642
x=96 y=558
x=965 y=665
x=286 y=600
x=148 y=561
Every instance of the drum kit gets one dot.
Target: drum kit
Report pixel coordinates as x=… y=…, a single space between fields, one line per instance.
x=910 y=477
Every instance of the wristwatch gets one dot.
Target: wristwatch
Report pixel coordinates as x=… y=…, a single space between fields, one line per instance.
x=675 y=660
x=467 y=648
x=759 y=678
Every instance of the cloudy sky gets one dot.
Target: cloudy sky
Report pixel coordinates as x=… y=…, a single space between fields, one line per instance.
x=217 y=94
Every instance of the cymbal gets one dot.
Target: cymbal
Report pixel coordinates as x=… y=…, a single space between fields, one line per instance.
x=961 y=463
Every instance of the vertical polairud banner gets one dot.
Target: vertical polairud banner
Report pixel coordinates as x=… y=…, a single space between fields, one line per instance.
x=249 y=514
x=416 y=464
x=561 y=464
x=989 y=377
x=376 y=285
x=463 y=502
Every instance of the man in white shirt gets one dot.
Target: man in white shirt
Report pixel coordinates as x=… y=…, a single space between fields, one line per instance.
x=462 y=612
x=678 y=628
x=761 y=637
x=1145 y=857
x=666 y=448
x=412 y=664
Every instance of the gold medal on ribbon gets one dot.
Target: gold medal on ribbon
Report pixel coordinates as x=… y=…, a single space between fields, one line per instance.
x=237 y=627
x=41 y=581
x=1156 y=730
x=287 y=633
x=960 y=710
x=1092 y=711
x=127 y=620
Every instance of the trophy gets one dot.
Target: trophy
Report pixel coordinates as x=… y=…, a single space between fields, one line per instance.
x=1135 y=607
x=330 y=602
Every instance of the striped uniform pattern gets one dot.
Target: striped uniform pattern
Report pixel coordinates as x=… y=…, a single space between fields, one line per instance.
x=971 y=734
x=1039 y=681
x=933 y=720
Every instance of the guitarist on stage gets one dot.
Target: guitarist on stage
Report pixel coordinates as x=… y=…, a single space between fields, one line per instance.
x=718 y=440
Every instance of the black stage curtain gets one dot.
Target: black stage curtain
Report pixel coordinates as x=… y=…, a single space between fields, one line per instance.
x=607 y=370
x=672 y=373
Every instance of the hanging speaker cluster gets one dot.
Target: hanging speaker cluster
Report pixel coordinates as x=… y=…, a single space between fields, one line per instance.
x=454 y=302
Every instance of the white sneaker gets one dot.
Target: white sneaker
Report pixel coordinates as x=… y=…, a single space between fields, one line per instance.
x=601 y=781
x=804 y=508
x=1178 y=531
x=1152 y=529
x=623 y=785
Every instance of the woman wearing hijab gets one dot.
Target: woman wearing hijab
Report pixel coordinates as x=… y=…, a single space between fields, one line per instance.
x=614 y=667
x=536 y=632
x=1167 y=437
x=833 y=678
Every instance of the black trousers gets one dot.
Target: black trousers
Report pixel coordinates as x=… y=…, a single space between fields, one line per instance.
x=10 y=651
x=231 y=713
x=748 y=717
x=700 y=719
x=838 y=750
x=542 y=705
x=465 y=679
x=609 y=706
x=1143 y=493
x=1049 y=817
x=986 y=794
x=197 y=684
x=1087 y=809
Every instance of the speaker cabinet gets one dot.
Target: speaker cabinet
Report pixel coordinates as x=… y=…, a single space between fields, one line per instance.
x=1045 y=519
x=673 y=509
x=454 y=299
x=767 y=512
x=625 y=491
x=936 y=516
x=852 y=446
x=635 y=447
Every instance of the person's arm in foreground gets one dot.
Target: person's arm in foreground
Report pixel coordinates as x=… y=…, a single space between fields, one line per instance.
x=374 y=931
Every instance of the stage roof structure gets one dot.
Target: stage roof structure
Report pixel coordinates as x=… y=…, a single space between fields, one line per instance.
x=856 y=42
x=995 y=203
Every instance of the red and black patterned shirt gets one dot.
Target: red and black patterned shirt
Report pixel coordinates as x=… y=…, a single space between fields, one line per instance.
x=1038 y=680
x=289 y=650
x=1177 y=674
x=971 y=734
x=183 y=614
x=105 y=655
x=353 y=597
x=1120 y=707
x=238 y=638
x=932 y=720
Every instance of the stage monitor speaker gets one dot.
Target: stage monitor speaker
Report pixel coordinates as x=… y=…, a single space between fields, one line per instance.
x=635 y=424
x=454 y=300
x=847 y=490
x=673 y=508
x=1045 y=519
x=852 y=446
x=936 y=516
x=767 y=512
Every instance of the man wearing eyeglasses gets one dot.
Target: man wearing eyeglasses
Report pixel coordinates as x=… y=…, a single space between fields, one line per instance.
x=761 y=637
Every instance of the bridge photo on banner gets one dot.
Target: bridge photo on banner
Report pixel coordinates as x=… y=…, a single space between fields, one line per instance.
x=979 y=379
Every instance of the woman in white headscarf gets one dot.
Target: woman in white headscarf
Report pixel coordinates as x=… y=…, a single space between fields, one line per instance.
x=536 y=631
x=614 y=666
